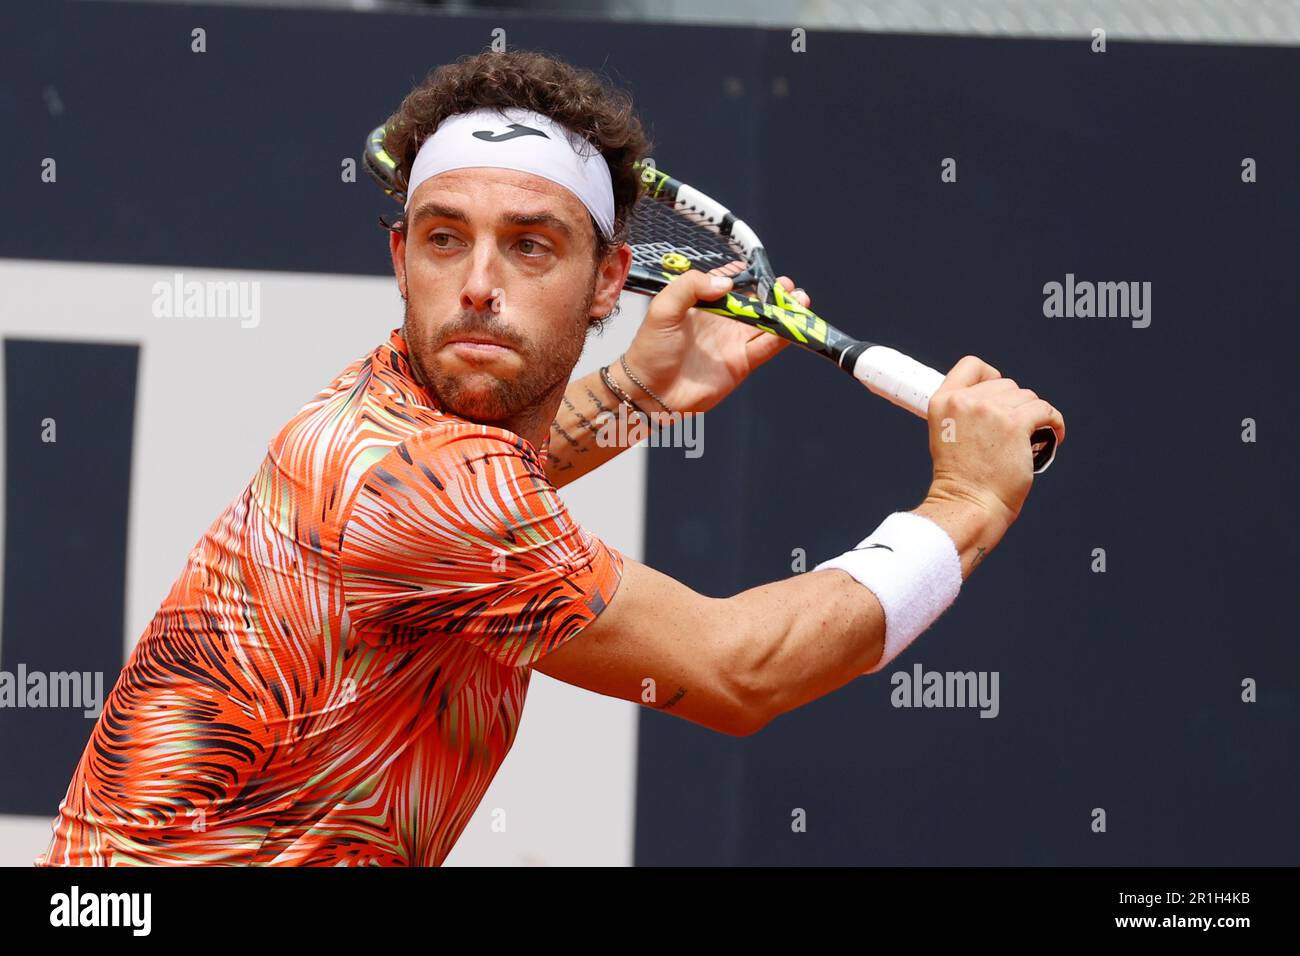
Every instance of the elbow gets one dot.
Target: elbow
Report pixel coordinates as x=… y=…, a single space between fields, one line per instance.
x=750 y=703
x=738 y=721
x=751 y=711
x=744 y=726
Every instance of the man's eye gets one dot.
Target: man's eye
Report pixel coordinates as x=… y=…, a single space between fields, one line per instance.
x=532 y=248
x=442 y=235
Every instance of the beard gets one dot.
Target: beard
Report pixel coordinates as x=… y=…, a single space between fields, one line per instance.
x=479 y=396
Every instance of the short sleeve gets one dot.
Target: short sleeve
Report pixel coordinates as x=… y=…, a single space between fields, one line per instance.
x=464 y=536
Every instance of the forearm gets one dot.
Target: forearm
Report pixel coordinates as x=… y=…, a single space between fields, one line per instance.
x=578 y=443
x=810 y=634
x=799 y=639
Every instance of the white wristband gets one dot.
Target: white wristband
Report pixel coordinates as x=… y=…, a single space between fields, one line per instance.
x=912 y=567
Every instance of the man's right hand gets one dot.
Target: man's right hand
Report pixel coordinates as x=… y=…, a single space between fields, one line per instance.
x=980 y=425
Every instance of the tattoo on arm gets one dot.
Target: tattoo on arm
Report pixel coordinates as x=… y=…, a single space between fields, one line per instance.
x=597 y=402
x=586 y=423
x=681 y=692
x=979 y=555
x=567 y=437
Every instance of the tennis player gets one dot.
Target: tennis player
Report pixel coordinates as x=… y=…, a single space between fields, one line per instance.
x=341 y=666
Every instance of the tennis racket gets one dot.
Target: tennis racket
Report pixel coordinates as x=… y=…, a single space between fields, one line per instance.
x=675 y=228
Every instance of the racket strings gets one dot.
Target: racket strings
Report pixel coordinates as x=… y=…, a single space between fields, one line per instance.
x=660 y=230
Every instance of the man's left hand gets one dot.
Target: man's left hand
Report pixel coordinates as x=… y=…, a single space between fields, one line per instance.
x=693 y=359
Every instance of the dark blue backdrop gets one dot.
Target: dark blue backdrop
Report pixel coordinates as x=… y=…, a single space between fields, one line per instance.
x=1118 y=690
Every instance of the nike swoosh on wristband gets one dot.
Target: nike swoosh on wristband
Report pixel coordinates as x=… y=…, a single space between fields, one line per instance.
x=870 y=546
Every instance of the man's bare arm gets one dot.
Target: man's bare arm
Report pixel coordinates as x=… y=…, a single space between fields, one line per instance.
x=573 y=448
x=733 y=664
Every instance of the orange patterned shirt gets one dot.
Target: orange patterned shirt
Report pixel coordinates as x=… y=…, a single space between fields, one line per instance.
x=340 y=669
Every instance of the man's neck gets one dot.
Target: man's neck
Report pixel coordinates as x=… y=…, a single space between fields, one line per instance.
x=534 y=424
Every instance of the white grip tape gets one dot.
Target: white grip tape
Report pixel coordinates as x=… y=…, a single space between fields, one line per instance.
x=893 y=375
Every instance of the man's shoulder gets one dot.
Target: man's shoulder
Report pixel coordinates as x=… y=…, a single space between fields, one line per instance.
x=459 y=440
x=481 y=461
x=445 y=490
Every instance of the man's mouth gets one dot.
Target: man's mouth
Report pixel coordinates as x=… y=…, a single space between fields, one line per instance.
x=478 y=347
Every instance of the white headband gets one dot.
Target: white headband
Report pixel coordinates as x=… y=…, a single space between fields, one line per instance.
x=511 y=138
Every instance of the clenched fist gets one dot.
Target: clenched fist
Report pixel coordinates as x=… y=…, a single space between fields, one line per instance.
x=980 y=424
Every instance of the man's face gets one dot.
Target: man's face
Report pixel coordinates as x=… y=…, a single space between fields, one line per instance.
x=501 y=286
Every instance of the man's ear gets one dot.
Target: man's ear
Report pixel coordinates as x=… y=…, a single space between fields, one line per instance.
x=610 y=276
x=397 y=249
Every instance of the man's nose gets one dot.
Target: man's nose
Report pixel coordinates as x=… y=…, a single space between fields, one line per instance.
x=482 y=282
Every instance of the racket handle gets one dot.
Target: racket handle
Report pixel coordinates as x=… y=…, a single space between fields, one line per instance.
x=909 y=384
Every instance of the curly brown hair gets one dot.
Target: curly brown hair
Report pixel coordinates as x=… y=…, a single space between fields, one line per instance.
x=573 y=97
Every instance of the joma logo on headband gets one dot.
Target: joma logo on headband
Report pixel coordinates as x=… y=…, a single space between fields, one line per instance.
x=516 y=129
